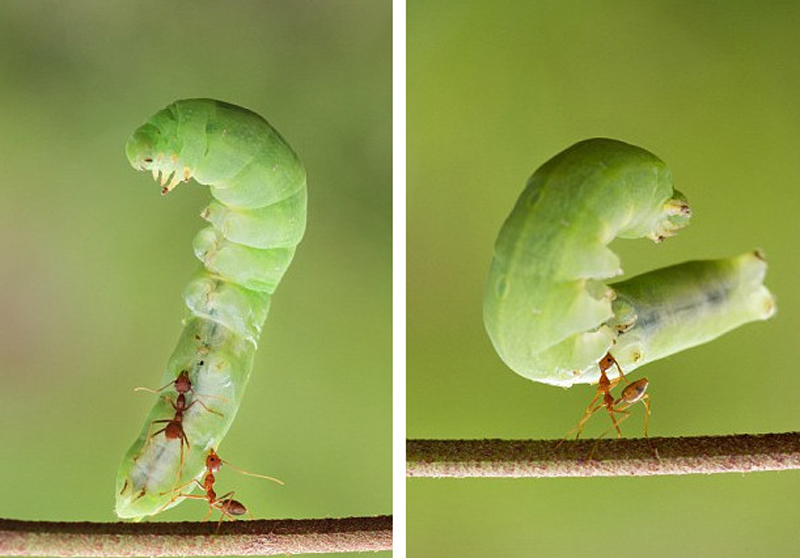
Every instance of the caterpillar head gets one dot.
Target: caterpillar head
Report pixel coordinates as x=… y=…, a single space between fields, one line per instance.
x=151 y=148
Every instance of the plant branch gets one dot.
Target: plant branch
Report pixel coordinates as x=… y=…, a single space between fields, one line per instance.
x=242 y=538
x=602 y=458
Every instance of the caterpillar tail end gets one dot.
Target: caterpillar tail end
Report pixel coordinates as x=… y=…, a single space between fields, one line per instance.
x=764 y=302
x=712 y=298
x=137 y=504
x=126 y=501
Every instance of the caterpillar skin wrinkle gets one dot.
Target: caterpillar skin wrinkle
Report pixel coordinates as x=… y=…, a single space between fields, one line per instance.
x=256 y=219
x=548 y=309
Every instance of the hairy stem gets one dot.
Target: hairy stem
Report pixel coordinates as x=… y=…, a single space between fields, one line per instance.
x=602 y=458
x=241 y=538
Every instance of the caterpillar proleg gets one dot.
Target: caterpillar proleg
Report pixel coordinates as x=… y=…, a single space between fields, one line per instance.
x=548 y=309
x=257 y=218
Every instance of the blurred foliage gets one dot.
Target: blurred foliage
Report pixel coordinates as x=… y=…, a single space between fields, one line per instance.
x=95 y=259
x=494 y=90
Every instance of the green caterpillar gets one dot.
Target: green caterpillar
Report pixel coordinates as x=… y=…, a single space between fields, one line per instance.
x=547 y=308
x=256 y=220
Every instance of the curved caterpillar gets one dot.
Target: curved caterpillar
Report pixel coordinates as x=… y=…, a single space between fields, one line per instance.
x=257 y=218
x=547 y=308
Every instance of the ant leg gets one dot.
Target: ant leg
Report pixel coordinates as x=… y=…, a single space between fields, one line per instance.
x=590 y=411
x=632 y=394
x=203 y=405
x=646 y=402
x=152 y=422
x=154 y=434
x=604 y=387
x=181 y=487
x=612 y=411
x=157 y=421
x=226 y=496
x=617 y=422
x=208 y=514
x=181 y=495
x=180 y=466
x=586 y=416
x=222 y=504
x=211 y=396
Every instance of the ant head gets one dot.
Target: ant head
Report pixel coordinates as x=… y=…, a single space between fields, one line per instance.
x=182 y=383
x=606 y=362
x=213 y=461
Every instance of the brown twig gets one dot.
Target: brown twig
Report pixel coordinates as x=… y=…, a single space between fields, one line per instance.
x=602 y=458
x=242 y=538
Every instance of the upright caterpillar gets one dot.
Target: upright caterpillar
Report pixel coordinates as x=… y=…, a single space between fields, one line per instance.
x=547 y=308
x=257 y=219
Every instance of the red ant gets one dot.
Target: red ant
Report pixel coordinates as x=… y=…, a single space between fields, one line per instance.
x=174 y=426
x=631 y=394
x=227 y=506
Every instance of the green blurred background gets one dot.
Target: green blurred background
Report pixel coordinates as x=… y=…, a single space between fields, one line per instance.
x=95 y=260
x=495 y=88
